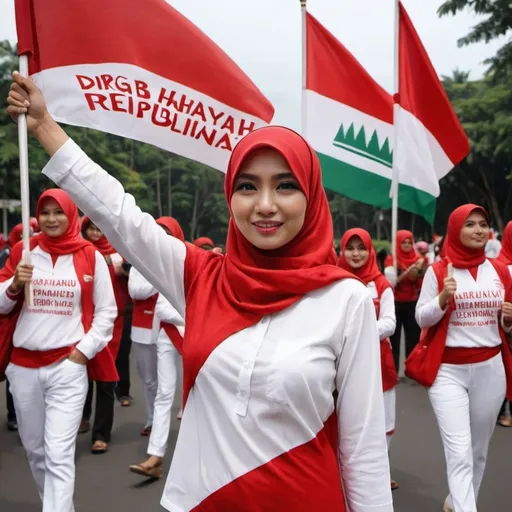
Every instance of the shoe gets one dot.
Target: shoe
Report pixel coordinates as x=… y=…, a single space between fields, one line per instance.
x=12 y=425
x=99 y=447
x=394 y=485
x=125 y=401
x=84 y=427
x=505 y=421
x=146 y=431
x=155 y=472
x=180 y=414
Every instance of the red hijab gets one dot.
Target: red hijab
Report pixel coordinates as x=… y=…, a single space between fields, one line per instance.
x=233 y=292
x=70 y=241
x=173 y=226
x=506 y=246
x=458 y=254
x=204 y=241
x=102 y=245
x=370 y=270
x=15 y=235
x=405 y=259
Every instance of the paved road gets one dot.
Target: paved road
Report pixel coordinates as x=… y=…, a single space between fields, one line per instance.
x=105 y=485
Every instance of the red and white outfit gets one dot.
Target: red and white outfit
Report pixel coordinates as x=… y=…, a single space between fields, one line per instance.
x=73 y=306
x=469 y=381
x=268 y=341
x=381 y=293
x=168 y=363
x=144 y=333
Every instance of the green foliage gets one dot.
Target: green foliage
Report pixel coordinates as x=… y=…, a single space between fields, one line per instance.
x=497 y=23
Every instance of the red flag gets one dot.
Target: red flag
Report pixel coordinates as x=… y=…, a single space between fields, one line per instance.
x=430 y=138
x=141 y=70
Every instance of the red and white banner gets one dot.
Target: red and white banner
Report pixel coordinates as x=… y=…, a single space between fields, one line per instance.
x=141 y=70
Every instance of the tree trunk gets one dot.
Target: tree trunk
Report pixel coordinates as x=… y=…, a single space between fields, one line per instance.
x=158 y=194
x=193 y=222
x=493 y=203
x=169 y=192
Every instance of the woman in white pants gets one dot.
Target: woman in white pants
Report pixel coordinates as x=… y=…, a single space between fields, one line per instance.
x=67 y=323
x=169 y=342
x=357 y=255
x=467 y=314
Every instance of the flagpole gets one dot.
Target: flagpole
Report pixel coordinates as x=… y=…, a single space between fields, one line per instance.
x=395 y=176
x=304 y=66
x=24 y=183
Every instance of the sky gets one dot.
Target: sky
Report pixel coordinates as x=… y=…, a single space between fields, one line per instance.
x=264 y=38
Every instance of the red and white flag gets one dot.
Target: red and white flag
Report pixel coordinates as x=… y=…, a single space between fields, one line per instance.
x=430 y=140
x=141 y=70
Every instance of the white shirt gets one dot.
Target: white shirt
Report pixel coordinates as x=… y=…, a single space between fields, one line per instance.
x=386 y=323
x=140 y=289
x=268 y=388
x=54 y=320
x=474 y=323
x=166 y=313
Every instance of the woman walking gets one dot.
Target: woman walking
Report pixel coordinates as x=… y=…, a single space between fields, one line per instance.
x=274 y=328
x=464 y=304
x=54 y=338
x=105 y=398
x=406 y=289
x=358 y=256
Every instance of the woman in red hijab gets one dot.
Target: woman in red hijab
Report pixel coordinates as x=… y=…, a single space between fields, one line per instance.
x=359 y=257
x=204 y=243
x=505 y=256
x=465 y=305
x=105 y=398
x=56 y=336
x=169 y=342
x=274 y=328
x=406 y=284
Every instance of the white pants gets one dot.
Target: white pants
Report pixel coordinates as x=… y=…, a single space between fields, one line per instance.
x=146 y=359
x=390 y=413
x=168 y=362
x=466 y=400
x=49 y=402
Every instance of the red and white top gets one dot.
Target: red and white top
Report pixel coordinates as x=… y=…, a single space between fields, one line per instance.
x=54 y=320
x=258 y=414
x=141 y=292
x=168 y=314
x=474 y=322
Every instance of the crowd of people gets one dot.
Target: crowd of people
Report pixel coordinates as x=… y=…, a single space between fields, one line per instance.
x=287 y=353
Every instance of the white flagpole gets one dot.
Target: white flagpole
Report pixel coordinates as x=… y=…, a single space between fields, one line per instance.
x=24 y=183
x=304 y=65
x=395 y=174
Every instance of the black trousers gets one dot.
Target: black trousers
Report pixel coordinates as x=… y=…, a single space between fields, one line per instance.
x=104 y=413
x=405 y=312
x=123 y=356
x=11 y=412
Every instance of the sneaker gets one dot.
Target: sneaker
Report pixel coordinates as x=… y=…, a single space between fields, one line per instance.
x=180 y=414
x=12 y=425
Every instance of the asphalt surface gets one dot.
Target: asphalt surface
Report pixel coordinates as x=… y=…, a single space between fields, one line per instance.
x=104 y=483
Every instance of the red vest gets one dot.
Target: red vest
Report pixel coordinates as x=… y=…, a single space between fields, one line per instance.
x=389 y=375
x=144 y=312
x=102 y=367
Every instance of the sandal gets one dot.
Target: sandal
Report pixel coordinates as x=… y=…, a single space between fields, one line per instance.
x=394 y=485
x=99 y=447
x=505 y=421
x=125 y=401
x=146 y=431
x=155 y=472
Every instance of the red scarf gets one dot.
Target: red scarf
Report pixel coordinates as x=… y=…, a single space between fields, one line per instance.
x=15 y=235
x=102 y=245
x=506 y=247
x=458 y=254
x=70 y=241
x=370 y=271
x=173 y=226
x=405 y=259
x=233 y=292
x=204 y=241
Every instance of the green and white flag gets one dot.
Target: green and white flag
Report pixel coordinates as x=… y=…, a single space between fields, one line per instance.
x=349 y=123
